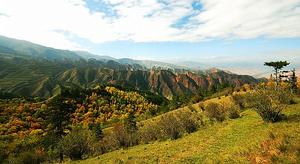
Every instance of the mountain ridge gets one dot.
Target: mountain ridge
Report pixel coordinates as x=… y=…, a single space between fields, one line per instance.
x=20 y=48
x=29 y=69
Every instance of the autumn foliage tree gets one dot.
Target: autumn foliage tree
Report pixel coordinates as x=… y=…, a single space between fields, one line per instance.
x=107 y=105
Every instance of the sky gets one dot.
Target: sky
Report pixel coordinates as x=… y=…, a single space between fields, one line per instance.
x=216 y=32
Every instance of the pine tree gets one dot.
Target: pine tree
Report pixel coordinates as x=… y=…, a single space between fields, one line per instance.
x=130 y=123
x=58 y=117
x=293 y=80
x=98 y=132
x=278 y=65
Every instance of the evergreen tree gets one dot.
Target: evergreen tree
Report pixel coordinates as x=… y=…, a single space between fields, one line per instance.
x=278 y=65
x=293 y=80
x=98 y=132
x=58 y=117
x=130 y=123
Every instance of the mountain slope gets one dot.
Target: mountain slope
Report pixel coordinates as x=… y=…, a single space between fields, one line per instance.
x=43 y=77
x=29 y=69
x=21 y=48
x=244 y=140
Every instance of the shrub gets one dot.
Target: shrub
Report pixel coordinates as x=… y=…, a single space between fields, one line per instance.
x=233 y=111
x=78 y=143
x=215 y=111
x=4 y=119
x=27 y=157
x=3 y=151
x=187 y=121
x=240 y=100
x=106 y=144
x=292 y=101
x=120 y=135
x=98 y=132
x=149 y=131
x=170 y=127
x=269 y=103
x=123 y=136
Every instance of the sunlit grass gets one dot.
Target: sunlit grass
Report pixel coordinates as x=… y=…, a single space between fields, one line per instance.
x=233 y=141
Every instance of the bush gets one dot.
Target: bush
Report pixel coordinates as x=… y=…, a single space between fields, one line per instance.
x=149 y=131
x=240 y=100
x=292 y=101
x=3 y=151
x=215 y=111
x=170 y=127
x=27 y=158
x=78 y=143
x=123 y=136
x=120 y=135
x=106 y=144
x=233 y=111
x=269 y=103
x=187 y=121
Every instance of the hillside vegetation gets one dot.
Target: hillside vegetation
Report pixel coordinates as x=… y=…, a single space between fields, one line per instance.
x=248 y=124
x=69 y=106
x=44 y=78
x=73 y=117
x=247 y=139
x=32 y=70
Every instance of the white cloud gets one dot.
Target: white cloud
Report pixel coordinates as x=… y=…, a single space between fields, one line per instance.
x=248 y=19
x=147 y=20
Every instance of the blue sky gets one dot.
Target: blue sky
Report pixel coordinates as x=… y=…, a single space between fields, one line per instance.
x=208 y=31
x=193 y=50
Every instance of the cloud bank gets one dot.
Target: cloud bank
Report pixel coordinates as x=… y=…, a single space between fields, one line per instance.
x=57 y=23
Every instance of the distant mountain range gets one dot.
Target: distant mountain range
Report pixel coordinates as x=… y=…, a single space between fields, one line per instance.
x=33 y=70
x=20 y=48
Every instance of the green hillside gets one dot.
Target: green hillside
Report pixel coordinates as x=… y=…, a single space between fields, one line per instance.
x=28 y=69
x=244 y=140
x=42 y=77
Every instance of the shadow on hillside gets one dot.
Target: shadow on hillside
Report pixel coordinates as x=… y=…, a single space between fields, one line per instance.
x=293 y=118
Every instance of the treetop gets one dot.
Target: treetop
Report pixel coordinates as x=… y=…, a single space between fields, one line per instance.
x=277 y=64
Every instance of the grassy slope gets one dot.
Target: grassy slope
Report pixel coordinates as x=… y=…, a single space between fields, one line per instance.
x=231 y=141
